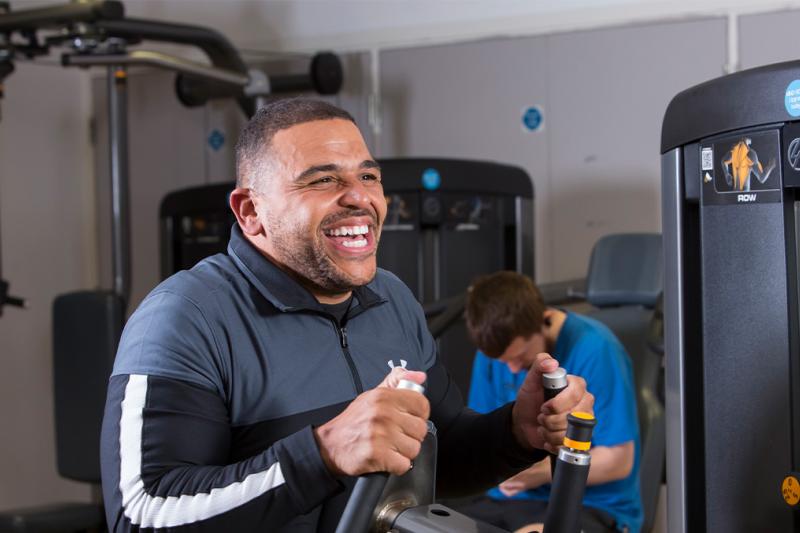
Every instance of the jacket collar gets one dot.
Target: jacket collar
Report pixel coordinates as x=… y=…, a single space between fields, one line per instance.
x=277 y=286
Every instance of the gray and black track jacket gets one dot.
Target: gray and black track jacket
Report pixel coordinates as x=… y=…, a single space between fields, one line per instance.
x=220 y=376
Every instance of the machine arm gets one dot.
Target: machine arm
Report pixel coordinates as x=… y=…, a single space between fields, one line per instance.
x=62 y=15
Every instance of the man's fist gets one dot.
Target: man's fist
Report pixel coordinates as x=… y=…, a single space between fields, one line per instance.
x=380 y=431
x=541 y=424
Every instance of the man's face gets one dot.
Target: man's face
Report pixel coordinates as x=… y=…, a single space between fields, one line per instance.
x=321 y=204
x=522 y=352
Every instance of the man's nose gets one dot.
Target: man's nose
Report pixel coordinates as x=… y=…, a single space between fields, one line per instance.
x=355 y=194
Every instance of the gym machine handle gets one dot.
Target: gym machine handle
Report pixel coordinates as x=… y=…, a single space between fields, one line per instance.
x=357 y=515
x=554 y=382
x=569 y=480
x=7 y=299
x=325 y=76
x=215 y=45
x=34 y=19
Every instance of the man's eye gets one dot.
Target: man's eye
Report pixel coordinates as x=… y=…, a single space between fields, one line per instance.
x=323 y=180
x=370 y=177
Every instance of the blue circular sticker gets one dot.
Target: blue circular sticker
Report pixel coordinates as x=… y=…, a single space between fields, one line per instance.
x=431 y=179
x=792 y=98
x=532 y=118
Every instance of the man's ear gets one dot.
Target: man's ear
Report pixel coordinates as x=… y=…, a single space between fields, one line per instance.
x=242 y=202
x=547 y=319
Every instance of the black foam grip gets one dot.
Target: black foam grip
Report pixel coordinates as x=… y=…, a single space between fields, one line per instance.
x=566 y=495
x=549 y=394
x=357 y=514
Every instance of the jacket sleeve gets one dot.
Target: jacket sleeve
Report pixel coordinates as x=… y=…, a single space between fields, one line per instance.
x=475 y=451
x=166 y=438
x=165 y=447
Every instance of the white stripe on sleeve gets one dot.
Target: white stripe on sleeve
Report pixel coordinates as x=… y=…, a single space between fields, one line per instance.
x=157 y=512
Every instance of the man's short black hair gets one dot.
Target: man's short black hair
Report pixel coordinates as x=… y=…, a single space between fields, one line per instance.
x=256 y=137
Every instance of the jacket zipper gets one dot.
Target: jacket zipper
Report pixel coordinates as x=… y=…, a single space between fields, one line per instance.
x=342 y=331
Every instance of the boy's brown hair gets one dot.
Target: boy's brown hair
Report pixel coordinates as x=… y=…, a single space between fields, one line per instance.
x=501 y=307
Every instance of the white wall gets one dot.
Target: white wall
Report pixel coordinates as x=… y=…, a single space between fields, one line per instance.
x=48 y=247
x=308 y=25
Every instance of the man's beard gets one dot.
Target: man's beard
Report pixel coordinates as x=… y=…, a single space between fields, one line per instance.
x=308 y=259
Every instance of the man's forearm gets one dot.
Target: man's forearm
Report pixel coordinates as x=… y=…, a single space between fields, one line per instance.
x=610 y=463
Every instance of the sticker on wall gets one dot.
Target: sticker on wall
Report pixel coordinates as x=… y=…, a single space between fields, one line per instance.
x=792 y=98
x=745 y=169
x=431 y=179
x=532 y=118
x=216 y=140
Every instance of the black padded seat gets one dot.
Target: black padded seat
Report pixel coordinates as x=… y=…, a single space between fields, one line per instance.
x=624 y=285
x=86 y=330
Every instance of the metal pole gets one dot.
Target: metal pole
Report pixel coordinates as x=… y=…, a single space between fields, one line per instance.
x=120 y=224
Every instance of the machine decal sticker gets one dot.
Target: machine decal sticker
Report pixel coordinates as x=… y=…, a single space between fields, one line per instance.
x=431 y=179
x=741 y=163
x=744 y=169
x=532 y=118
x=399 y=214
x=707 y=158
x=793 y=154
x=790 y=489
x=792 y=98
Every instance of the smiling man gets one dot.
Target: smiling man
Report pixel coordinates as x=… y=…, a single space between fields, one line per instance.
x=250 y=390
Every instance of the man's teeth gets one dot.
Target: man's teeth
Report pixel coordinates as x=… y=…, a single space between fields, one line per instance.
x=360 y=243
x=347 y=230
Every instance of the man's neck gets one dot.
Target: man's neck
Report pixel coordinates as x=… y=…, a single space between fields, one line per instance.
x=557 y=318
x=328 y=299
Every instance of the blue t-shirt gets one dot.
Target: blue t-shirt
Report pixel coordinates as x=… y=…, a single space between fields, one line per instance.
x=585 y=348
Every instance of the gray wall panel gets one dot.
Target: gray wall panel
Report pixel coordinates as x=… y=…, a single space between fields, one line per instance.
x=768 y=38
x=466 y=101
x=608 y=92
x=595 y=164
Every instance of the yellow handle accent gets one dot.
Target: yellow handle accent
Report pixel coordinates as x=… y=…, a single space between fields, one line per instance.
x=577 y=445
x=581 y=414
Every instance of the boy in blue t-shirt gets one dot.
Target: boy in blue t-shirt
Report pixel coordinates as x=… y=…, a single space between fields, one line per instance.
x=508 y=321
